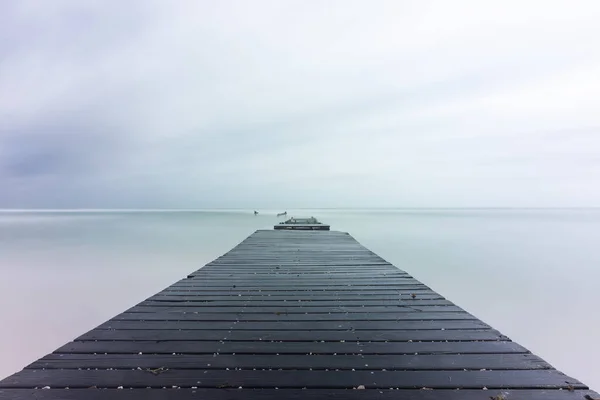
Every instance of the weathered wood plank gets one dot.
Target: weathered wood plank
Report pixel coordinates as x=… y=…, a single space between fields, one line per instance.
x=293 y=394
x=293 y=379
x=444 y=362
x=235 y=301
x=265 y=347
x=291 y=277
x=323 y=284
x=406 y=295
x=296 y=281
x=301 y=260
x=256 y=286
x=293 y=335
x=259 y=309
x=304 y=273
x=401 y=316
x=406 y=291
x=333 y=264
x=281 y=272
x=307 y=294
x=298 y=325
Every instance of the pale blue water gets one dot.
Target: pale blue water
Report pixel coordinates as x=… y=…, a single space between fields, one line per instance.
x=532 y=274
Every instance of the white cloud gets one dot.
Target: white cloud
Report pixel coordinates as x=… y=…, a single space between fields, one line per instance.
x=425 y=102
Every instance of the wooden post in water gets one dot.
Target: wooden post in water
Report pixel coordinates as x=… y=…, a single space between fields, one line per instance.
x=294 y=314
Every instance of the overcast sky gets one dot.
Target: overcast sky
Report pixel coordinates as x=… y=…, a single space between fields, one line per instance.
x=311 y=103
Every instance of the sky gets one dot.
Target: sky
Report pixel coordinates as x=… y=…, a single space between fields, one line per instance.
x=311 y=103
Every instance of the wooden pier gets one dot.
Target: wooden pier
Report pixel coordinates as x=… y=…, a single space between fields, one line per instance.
x=291 y=314
x=304 y=224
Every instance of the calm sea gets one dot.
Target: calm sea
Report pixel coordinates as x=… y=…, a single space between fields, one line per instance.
x=532 y=274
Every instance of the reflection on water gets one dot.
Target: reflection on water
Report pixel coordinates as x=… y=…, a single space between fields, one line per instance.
x=533 y=274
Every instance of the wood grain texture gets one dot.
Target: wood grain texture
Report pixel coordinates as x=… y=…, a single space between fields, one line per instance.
x=294 y=394
x=503 y=379
x=345 y=362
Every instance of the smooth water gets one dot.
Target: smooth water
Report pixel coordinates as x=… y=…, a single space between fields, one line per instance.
x=532 y=274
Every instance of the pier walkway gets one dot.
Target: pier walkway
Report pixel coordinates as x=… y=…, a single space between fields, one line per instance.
x=292 y=314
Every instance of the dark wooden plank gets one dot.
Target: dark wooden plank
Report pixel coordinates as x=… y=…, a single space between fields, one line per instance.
x=277 y=268
x=290 y=277
x=281 y=272
x=407 y=291
x=304 y=270
x=317 y=248
x=309 y=288
x=297 y=266
x=302 y=258
x=297 y=281
x=302 y=265
x=308 y=295
x=302 y=273
x=235 y=301
x=298 y=325
x=299 y=286
x=292 y=255
x=209 y=335
x=400 y=316
x=282 y=275
x=305 y=257
x=304 y=295
x=291 y=286
x=292 y=394
x=447 y=362
x=278 y=261
x=285 y=257
x=293 y=379
x=331 y=253
x=290 y=283
x=274 y=273
x=269 y=253
x=219 y=272
x=265 y=347
x=259 y=309
x=289 y=249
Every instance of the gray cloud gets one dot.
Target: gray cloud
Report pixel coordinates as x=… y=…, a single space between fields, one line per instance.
x=199 y=104
x=54 y=150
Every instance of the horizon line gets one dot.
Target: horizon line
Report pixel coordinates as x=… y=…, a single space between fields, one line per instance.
x=294 y=208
